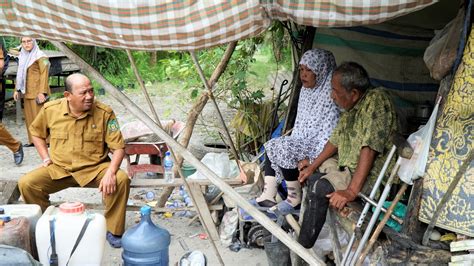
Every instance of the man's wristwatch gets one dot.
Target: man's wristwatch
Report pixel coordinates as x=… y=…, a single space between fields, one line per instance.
x=47 y=161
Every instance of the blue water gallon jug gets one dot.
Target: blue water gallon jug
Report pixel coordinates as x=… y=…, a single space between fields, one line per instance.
x=145 y=243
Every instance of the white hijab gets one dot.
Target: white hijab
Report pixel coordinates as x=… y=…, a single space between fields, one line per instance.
x=26 y=59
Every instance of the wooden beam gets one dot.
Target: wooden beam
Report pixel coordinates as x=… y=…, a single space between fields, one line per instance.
x=9 y=192
x=206 y=219
x=142 y=116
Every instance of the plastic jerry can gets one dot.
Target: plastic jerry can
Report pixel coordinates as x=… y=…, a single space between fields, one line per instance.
x=67 y=221
x=31 y=211
x=146 y=243
x=15 y=232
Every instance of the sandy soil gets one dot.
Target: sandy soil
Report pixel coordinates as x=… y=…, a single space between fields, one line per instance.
x=177 y=226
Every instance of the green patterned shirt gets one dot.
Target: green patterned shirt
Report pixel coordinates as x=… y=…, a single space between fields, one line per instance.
x=369 y=123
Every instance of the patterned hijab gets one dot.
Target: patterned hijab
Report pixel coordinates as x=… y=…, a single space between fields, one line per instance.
x=26 y=59
x=321 y=62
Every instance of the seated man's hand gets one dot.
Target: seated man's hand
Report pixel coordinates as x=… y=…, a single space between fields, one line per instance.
x=340 y=198
x=108 y=184
x=303 y=164
x=305 y=173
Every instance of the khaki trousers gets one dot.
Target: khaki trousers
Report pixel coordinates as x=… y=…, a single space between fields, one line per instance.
x=31 y=111
x=36 y=186
x=8 y=140
x=340 y=180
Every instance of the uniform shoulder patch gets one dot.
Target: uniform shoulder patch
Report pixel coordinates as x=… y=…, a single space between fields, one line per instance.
x=44 y=61
x=103 y=107
x=52 y=103
x=112 y=125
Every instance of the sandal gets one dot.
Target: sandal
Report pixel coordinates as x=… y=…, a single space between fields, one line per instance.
x=114 y=241
x=284 y=208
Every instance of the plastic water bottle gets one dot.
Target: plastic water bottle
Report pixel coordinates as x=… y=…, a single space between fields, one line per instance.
x=146 y=243
x=168 y=167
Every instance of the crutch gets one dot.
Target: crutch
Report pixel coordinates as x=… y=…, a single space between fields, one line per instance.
x=376 y=213
x=367 y=205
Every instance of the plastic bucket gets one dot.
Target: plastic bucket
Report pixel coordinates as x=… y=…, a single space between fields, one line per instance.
x=188 y=170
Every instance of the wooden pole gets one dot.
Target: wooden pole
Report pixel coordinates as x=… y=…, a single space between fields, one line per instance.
x=180 y=172
x=211 y=94
x=241 y=202
x=382 y=223
x=195 y=111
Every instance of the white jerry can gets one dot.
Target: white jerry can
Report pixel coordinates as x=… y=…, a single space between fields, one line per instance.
x=67 y=222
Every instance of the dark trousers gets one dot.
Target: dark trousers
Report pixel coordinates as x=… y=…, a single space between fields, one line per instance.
x=316 y=209
x=288 y=174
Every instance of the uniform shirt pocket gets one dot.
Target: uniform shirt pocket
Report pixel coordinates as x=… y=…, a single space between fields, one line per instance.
x=59 y=139
x=94 y=142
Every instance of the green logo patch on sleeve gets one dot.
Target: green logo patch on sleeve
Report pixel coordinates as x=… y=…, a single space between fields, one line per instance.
x=112 y=125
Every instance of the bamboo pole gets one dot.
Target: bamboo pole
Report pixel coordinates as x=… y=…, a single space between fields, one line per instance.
x=211 y=95
x=241 y=202
x=445 y=198
x=180 y=172
x=196 y=110
x=381 y=224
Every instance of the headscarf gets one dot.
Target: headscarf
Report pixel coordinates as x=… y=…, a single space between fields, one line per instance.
x=320 y=62
x=26 y=59
x=316 y=117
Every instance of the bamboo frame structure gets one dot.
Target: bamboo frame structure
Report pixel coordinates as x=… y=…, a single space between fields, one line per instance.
x=179 y=149
x=180 y=172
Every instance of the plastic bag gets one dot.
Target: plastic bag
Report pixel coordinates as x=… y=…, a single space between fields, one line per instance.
x=324 y=245
x=440 y=55
x=220 y=164
x=420 y=142
x=228 y=227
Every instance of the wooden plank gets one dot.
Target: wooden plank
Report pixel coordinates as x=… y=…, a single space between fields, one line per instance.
x=178 y=182
x=463 y=258
x=9 y=192
x=462 y=245
x=206 y=218
x=99 y=206
x=412 y=228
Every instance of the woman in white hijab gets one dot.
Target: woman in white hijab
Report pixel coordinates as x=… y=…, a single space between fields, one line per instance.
x=316 y=118
x=32 y=81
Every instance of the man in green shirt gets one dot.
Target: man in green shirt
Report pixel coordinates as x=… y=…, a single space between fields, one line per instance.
x=361 y=142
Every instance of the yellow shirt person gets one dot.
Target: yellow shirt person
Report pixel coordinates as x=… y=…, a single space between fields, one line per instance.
x=82 y=133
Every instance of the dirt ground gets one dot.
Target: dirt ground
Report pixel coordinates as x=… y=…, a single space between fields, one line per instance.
x=177 y=226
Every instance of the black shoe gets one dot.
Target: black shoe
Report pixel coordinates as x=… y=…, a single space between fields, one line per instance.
x=18 y=156
x=26 y=145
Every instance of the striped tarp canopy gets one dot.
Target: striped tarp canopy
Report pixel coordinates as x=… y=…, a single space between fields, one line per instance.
x=182 y=24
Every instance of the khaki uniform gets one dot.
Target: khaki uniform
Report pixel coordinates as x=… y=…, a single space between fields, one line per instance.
x=36 y=82
x=8 y=140
x=5 y=137
x=79 y=150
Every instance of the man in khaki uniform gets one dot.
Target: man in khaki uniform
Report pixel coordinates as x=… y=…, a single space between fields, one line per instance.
x=5 y=137
x=82 y=133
